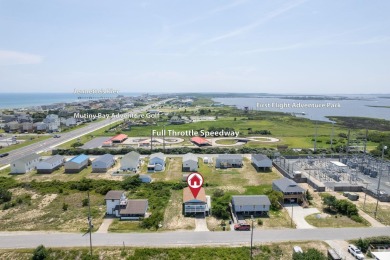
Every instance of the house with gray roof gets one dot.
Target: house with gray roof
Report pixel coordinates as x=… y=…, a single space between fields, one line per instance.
x=292 y=192
x=228 y=161
x=76 y=164
x=130 y=161
x=190 y=163
x=156 y=162
x=126 y=209
x=261 y=162
x=50 y=164
x=247 y=205
x=25 y=164
x=103 y=163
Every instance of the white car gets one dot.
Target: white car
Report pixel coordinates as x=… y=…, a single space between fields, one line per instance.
x=353 y=250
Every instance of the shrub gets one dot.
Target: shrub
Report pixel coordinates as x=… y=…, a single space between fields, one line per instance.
x=260 y=222
x=5 y=195
x=40 y=253
x=65 y=206
x=357 y=218
x=84 y=202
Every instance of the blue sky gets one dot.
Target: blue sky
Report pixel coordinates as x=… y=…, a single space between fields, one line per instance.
x=273 y=46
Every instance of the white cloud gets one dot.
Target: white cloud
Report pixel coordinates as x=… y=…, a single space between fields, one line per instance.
x=17 y=58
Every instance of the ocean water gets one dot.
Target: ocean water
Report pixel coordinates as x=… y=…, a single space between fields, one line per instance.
x=22 y=100
x=362 y=106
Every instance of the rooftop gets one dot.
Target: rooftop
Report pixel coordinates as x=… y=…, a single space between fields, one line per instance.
x=287 y=185
x=79 y=158
x=187 y=195
x=114 y=195
x=138 y=207
x=251 y=200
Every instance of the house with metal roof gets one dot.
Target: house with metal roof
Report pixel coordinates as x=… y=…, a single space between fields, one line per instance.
x=228 y=161
x=201 y=204
x=25 y=164
x=103 y=163
x=50 y=164
x=190 y=162
x=292 y=192
x=261 y=162
x=156 y=162
x=76 y=164
x=251 y=205
x=130 y=161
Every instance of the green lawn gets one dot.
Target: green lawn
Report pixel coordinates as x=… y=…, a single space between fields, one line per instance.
x=333 y=221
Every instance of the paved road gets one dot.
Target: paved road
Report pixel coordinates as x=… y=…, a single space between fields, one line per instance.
x=183 y=238
x=49 y=144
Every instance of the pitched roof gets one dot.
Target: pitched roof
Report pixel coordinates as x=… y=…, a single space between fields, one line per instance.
x=105 y=158
x=158 y=155
x=242 y=200
x=114 y=194
x=28 y=158
x=187 y=195
x=119 y=137
x=260 y=157
x=79 y=158
x=132 y=156
x=199 y=140
x=138 y=207
x=190 y=157
x=287 y=185
x=54 y=159
x=230 y=157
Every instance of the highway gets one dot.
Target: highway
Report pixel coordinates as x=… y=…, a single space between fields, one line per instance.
x=183 y=238
x=49 y=144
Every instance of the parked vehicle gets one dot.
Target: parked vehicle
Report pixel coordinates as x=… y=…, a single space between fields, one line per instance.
x=243 y=227
x=4 y=155
x=353 y=250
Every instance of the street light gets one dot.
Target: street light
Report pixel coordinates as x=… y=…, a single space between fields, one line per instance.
x=252 y=237
x=379 y=181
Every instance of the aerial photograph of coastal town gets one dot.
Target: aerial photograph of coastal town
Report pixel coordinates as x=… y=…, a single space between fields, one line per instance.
x=226 y=129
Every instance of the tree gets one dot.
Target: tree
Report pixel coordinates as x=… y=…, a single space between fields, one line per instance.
x=131 y=182
x=329 y=201
x=5 y=195
x=40 y=253
x=275 y=197
x=310 y=254
x=363 y=244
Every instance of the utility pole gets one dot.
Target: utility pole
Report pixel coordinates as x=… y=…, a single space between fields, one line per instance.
x=90 y=225
x=292 y=212
x=379 y=181
x=315 y=139
x=365 y=195
x=252 y=238
x=151 y=141
x=331 y=141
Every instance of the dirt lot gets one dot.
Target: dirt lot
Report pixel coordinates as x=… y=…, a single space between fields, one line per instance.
x=173 y=217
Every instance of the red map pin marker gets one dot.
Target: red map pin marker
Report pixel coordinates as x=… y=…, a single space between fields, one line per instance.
x=195 y=182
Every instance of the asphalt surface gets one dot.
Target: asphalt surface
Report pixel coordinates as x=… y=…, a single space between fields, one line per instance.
x=183 y=238
x=49 y=144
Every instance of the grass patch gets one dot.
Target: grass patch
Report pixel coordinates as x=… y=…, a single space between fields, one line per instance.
x=333 y=221
x=383 y=215
x=126 y=226
x=226 y=141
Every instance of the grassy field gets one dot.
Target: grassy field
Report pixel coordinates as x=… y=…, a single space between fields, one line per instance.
x=383 y=214
x=333 y=221
x=45 y=212
x=280 y=251
x=173 y=217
